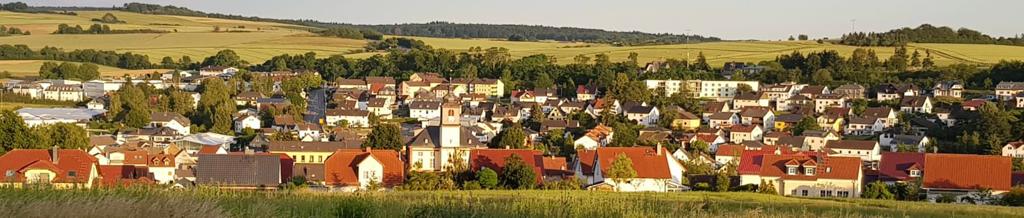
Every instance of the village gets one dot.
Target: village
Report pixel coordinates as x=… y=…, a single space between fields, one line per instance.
x=788 y=138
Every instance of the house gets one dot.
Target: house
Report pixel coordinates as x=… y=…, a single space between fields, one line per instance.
x=58 y=168
x=784 y=122
x=247 y=121
x=728 y=153
x=864 y=126
x=1007 y=90
x=783 y=91
x=495 y=159
x=656 y=170
x=973 y=104
x=1014 y=149
x=900 y=167
x=713 y=140
x=741 y=133
x=826 y=101
x=852 y=91
x=309 y=152
x=952 y=89
x=355 y=169
x=425 y=110
x=217 y=71
x=863 y=149
x=792 y=103
x=242 y=171
x=963 y=175
x=123 y=175
x=685 y=120
x=750 y=161
x=760 y=116
x=833 y=118
x=892 y=141
x=599 y=136
x=175 y=121
x=724 y=90
x=356 y=84
x=813 y=175
x=816 y=140
x=32 y=90
x=64 y=92
x=750 y=100
x=643 y=114
x=354 y=118
x=886 y=115
x=813 y=92
x=432 y=147
x=916 y=104
x=248 y=98
x=772 y=138
x=584 y=93
x=671 y=87
x=380 y=107
x=713 y=107
x=722 y=120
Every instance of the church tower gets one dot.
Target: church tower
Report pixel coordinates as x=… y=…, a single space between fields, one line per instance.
x=451 y=116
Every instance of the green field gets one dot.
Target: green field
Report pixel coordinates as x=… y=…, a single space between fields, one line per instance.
x=217 y=203
x=259 y=41
x=18 y=105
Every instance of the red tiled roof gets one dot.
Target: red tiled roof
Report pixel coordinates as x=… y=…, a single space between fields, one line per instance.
x=750 y=161
x=555 y=166
x=586 y=159
x=341 y=167
x=115 y=175
x=19 y=160
x=894 y=166
x=729 y=150
x=742 y=128
x=848 y=168
x=495 y=159
x=965 y=171
x=645 y=160
x=209 y=149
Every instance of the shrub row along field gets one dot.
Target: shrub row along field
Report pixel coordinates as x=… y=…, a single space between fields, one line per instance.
x=258 y=41
x=217 y=203
x=30 y=68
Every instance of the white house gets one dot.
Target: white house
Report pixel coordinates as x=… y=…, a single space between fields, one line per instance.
x=863 y=149
x=893 y=141
x=644 y=115
x=656 y=170
x=1014 y=149
x=64 y=93
x=916 y=104
x=425 y=110
x=740 y=133
x=175 y=121
x=355 y=118
x=599 y=136
x=247 y=121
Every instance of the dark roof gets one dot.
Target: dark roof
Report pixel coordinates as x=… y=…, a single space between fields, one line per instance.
x=913 y=101
x=425 y=105
x=789 y=118
x=638 y=109
x=291 y=146
x=244 y=170
x=431 y=137
x=721 y=116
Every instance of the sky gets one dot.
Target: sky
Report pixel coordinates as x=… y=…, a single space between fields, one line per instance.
x=727 y=19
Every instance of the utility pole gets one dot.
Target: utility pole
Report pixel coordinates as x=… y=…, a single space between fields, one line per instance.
x=853 y=25
x=687 y=44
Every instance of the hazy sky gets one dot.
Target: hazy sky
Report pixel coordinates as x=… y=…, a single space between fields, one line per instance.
x=729 y=19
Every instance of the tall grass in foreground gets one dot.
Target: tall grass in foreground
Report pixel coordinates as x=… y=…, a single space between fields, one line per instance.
x=144 y=202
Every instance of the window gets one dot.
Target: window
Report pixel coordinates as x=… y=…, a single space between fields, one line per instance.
x=844 y=194
x=791 y=170
x=915 y=173
x=72 y=174
x=809 y=171
x=803 y=192
x=9 y=173
x=821 y=193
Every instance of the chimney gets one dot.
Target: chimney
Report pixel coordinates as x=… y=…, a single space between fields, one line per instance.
x=506 y=147
x=658 y=147
x=368 y=149
x=53 y=154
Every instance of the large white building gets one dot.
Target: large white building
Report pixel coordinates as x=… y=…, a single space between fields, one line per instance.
x=724 y=89
x=434 y=147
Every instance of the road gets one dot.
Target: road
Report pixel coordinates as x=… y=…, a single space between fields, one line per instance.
x=316 y=109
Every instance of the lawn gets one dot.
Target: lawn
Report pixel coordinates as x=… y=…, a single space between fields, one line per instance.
x=30 y=68
x=18 y=105
x=217 y=203
x=258 y=41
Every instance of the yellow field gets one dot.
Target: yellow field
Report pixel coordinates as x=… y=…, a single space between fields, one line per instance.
x=194 y=37
x=30 y=68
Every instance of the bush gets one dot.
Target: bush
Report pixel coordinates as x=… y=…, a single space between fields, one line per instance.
x=471 y=185
x=1013 y=198
x=487 y=178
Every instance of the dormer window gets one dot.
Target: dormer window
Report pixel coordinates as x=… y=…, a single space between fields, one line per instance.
x=791 y=170
x=72 y=174
x=809 y=171
x=915 y=173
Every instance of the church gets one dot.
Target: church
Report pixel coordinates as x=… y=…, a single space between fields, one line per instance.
x=434 y=147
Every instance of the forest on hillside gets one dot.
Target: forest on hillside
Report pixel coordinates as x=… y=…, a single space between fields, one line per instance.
x=926 y=33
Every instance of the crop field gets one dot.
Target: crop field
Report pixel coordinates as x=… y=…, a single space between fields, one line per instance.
x=30 y=68
x=258 y=41
x=218 y=203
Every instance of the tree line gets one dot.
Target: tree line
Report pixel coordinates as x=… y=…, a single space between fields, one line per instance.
x=454 y=30
x=70 y=71
x=99 y=29
x=125 y=60
x=350 y=33
x=926 y=33
x=10 y=31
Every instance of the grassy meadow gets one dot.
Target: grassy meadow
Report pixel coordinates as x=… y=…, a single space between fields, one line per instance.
x=258 y=41
x=218 y=203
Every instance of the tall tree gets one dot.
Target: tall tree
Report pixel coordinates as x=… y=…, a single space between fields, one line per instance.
x=62 y=135
x=14 y=133
x=215 y=106
x=621 y=170
x=516 y=174
x=385 y=136
x=511 y=137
